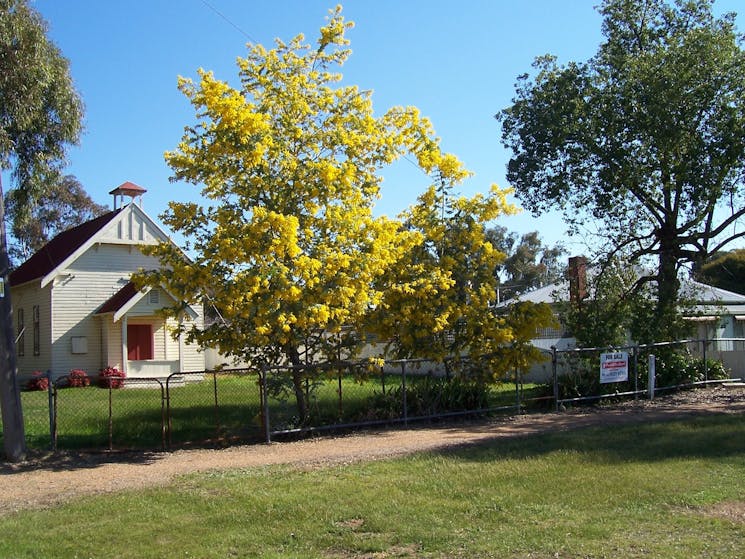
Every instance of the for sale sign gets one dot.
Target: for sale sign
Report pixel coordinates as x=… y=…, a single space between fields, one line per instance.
x=614 y=367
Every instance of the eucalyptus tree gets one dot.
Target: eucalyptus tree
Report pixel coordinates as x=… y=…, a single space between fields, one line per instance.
x=529 y=263
x=63 y=204
x=647 y=137
x=40 y=116
x=725 y=270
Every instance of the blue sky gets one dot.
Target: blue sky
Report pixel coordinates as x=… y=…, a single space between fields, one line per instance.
x=456 y=61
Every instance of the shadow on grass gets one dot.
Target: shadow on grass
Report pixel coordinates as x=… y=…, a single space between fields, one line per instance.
x=204 y=426
x=716 y=436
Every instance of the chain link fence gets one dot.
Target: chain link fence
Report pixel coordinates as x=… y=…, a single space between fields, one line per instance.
x=592 y=374
x=220 y=408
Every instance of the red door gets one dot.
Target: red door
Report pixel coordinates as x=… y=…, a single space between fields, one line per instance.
x=139 y=342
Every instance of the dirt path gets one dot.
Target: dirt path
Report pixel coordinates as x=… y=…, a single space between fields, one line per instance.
x=47 y=480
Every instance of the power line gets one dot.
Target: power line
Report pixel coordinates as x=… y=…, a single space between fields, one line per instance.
x=223 y=16
x=254 y=41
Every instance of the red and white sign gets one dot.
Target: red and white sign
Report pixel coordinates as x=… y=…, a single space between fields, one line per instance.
x=614 y=367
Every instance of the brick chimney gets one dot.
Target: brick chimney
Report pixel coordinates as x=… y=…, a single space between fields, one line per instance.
x=577 y=273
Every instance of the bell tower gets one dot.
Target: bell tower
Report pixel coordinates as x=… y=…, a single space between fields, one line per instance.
x=130 y=189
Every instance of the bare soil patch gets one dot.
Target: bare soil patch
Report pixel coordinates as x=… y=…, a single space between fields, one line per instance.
x=48 y=479
x=731 y=510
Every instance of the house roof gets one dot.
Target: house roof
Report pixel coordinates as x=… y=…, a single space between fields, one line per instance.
x=546 y=294
x=708 y=300
x=127 y=297
x=118 y=299
x=129 y=188
x=56 y=251
x=712 y=300
x=703 y=293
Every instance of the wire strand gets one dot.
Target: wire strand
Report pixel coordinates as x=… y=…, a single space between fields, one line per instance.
x=229 y=21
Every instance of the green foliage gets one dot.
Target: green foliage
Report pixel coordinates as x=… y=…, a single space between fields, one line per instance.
x=675 y=367
x=40 y=116
x=582 y=379
x=617 y=310
x=725 y=270
x=579 y=375
x=438 y=304
x=605 y=317
x=647 y=137
x=288 y=250
x=40 y=111
x=62 y=205
x=441 y=301
x=429 y=396
x=528 y=264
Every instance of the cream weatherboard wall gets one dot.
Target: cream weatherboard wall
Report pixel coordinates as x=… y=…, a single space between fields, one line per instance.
x=74 y=335
x=25 y=300
x=111 y=334
x=93 y=278
x=166 y=347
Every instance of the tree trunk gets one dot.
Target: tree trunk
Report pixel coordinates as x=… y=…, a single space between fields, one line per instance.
x=297 y=382
x=668 y=287
x=14 y=440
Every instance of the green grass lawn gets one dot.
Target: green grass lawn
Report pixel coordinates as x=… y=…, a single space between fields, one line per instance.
x=224 y=408
x=647 y=490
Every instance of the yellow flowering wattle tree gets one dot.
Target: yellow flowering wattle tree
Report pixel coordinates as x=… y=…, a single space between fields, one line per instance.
x=439 y=303
x=287 y=249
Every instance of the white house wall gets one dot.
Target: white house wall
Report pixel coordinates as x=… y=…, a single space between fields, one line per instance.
x=26 y=297
x=131 y=227
x=164 y=345
x=112 y=343
x=89 y=281
x=193 y=359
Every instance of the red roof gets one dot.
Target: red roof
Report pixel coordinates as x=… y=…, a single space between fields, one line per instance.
x=52 y=254
x=129 y=188
x=118 y=299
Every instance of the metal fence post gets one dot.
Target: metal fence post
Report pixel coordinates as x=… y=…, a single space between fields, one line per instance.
x=111 y=419
x=703 y=354
x=403 y=384
x=636 y=372
x=169 y=420
x=163 y=417
x=556 y=377
x=52 y=411
x=651 y=379
x=217 y=406
x=265 y=404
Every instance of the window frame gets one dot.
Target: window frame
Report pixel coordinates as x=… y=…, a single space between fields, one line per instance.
x=21 y=340
x=37 y=329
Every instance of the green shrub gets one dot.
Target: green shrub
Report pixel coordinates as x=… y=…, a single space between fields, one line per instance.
x=580 y=378
x=429 y=396
x=673 y=367
x=677 y=368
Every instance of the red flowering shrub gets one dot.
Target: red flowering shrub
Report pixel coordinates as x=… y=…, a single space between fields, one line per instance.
x=78 y=378
x=39 y=381
x=111 y=377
